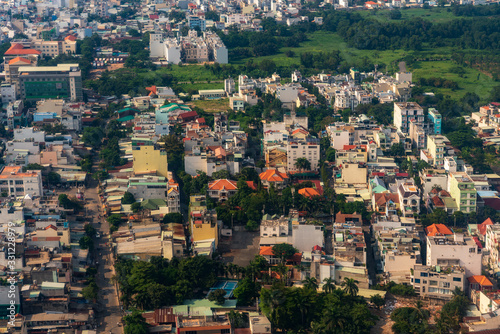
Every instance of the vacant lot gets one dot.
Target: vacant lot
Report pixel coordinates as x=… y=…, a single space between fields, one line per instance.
x=214 y=106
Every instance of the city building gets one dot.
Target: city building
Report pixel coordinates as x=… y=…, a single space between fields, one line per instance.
x=15 y=182
x=435 y=118
x=461 y=189
x=438 y=282
x=222 y=189
x=51 y=82
x=149 y=159
x=308 y=149
x=405 y=112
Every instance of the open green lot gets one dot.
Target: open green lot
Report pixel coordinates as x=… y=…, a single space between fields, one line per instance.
x=214 y=106
x=435 y=14
x=471 y=81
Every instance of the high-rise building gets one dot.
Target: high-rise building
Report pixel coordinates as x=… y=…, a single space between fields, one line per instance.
x=405 y=112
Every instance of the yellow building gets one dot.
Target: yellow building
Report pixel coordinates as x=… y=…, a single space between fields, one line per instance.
x=436 y=146
x=148 y=160
x=204 y=227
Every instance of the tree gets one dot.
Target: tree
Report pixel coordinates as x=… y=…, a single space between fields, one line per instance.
x=173 y=218
x=252 y=225
x=350 y=286
x=90 y=292
x=135 y=323
x=221 y=174
x=128 y=198
x=90 y=230
x=328 y=285
x=409 y=320
x=397 y=150
x=284 y=251
x=53 y=178
x=86 y=242
x=136 y=207
x=303 y=164
x=218 y=296
x=34 y=167
x=311 y=283
x=377 y=300
x=246 y=291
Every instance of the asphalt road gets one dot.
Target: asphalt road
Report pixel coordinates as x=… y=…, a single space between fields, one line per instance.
x=109 y=314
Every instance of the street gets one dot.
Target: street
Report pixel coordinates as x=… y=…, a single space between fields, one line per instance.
x=109 y=315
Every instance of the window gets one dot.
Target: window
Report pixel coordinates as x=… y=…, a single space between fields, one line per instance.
x=457 y=279
x=417 y=280
x=446 y=284
x=434 y=283
x=472 y=250
x=422 y=274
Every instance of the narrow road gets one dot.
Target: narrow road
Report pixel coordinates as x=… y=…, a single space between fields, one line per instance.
x=109 y=314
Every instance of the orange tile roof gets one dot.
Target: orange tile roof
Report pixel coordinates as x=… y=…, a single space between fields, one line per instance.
x=18 y=49
x=223 y=184
x=273 y=175
x=15 y=60
x=266 y=250
x=438 y=229
x=480 y=279
x=11 y=172
x=308 y=192
x=70 y=38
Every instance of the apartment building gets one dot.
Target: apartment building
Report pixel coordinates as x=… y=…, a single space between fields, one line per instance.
x=149 y=159
x=15 y=182
x=398 y=251
x=438 y=282
x=461 y=189
x=454 y=250
x=308 y=149
x=435 y=118
x=405 y=112
x=492 y=244
x=49 y=82
x=55 y=48
x=436 y=148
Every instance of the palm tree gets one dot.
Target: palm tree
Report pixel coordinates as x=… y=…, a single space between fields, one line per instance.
x=303 y=164
x=283 y=271
x=350 y=286
x=311 y=283
x=328 y=285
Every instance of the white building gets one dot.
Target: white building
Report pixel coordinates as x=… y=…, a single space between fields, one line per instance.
x=307 y=150
x=454 y=250
x=404 y=112
x=156 y=47
x=172 y=51
x=8 y=92
x=13 y=182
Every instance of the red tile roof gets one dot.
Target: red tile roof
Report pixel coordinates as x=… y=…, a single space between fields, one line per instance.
x=251 y=184
x=308 y=192
x=23 y=60
x=223 y=184
x=437 y=229
x=482 y=227
x=70 y=38
x=273 y=175
x=18 y=49
x=480 y=279
x=266 y=250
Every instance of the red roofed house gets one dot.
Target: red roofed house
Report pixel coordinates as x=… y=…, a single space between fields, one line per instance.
x=222 y=189
x=479 y=283
x=438 y=230
x=275 y=177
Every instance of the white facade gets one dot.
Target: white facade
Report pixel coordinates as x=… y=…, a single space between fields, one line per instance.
x=339 y=138
x=458 y=250
x=288 y=93
x=306 y=236
x=156 y=49
x=29 y=133
x=295 y=150
x=172 y=52
x=8 y=92
x=404 y=112
x=221 y=54
x=21 y=184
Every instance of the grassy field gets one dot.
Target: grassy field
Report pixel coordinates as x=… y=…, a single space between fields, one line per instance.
x=435 y=14
x=211 y=105
x=326 y=41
